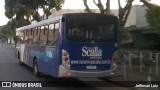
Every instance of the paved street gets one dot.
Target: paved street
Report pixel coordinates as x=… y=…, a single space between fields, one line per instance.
x=10 y=70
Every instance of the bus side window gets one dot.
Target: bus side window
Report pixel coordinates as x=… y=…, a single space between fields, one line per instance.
x=50 y=34
x=53 y=34
x=30 y=36
x=26 y=37
x=43 y=35
x=56 y=28
x=35 y=36
x=23 y=37
x=19 y=38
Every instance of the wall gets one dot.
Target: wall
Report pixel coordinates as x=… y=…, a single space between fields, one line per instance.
x=140 y=16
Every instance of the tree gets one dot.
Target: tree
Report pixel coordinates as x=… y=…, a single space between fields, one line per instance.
x=3 y=34
x=22 y=12
x=15 y=9
x=153 y=17
x=28 y=9
x=123 y=13
x=146 y=3
x=48 y=5
x=6 y=33
x=99 y=5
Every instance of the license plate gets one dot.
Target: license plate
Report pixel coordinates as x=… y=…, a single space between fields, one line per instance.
x=91 y=67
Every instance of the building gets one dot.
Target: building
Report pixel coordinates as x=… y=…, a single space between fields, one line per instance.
x=136 y=17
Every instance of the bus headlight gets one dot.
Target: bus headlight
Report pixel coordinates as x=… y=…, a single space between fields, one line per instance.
x=65 y=59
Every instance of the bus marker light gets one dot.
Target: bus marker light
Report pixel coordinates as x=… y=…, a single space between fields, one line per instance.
x=66 y=59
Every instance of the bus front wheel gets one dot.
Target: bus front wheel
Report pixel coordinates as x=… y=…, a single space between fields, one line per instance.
x=35 y=69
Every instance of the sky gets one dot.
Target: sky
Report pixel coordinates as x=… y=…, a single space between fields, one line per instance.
x=3 y=19
x=70 y=4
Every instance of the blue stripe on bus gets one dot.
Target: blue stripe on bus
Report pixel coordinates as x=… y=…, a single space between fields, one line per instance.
x=47 y=55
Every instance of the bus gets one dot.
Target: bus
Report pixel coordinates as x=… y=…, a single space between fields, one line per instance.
x=70 y=45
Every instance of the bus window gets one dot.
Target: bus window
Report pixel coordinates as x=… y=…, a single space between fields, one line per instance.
x=30 y=37
x=26 y=32
x=36 y=36
x=20 y=37
x=98 y=28
x=44 y=30
x=43 y=35
x=50 y=34
x=26 y=37
x=51 y=28
x=53 y=34
x=105 y=33
x=37 y=31
x=23 y=37
x=56 y=28
x=75 y=32
x=31 y=31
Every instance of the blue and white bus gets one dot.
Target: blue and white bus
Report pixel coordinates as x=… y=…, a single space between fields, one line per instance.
x=70 y=45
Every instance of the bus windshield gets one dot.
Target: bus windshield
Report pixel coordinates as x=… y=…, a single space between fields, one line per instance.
x=90 y=27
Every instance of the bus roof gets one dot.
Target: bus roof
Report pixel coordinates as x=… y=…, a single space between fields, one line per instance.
x=54 y=19
x=41 y=23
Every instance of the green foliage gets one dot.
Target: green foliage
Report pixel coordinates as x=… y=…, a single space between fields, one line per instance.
x=22 y=12
x=48 y=5
x=15 y=9
x=125 y=36
x=123 y=12
x=7 y=31
x=153 y=17
x=9 y=6
x=29 y=8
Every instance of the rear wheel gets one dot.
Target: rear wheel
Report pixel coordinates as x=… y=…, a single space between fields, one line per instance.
x=35 y=69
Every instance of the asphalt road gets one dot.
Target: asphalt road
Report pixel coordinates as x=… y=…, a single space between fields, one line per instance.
x=10 y=70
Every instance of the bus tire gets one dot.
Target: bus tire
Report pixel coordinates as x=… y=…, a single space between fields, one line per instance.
x=35 y=69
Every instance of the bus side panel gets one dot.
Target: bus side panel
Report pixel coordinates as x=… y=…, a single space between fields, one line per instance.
x=33 y=49
x=22 y=52
x=47 y=64
x=47 y=59
x=39 y=53
x=25 y=54
x=57 y=60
